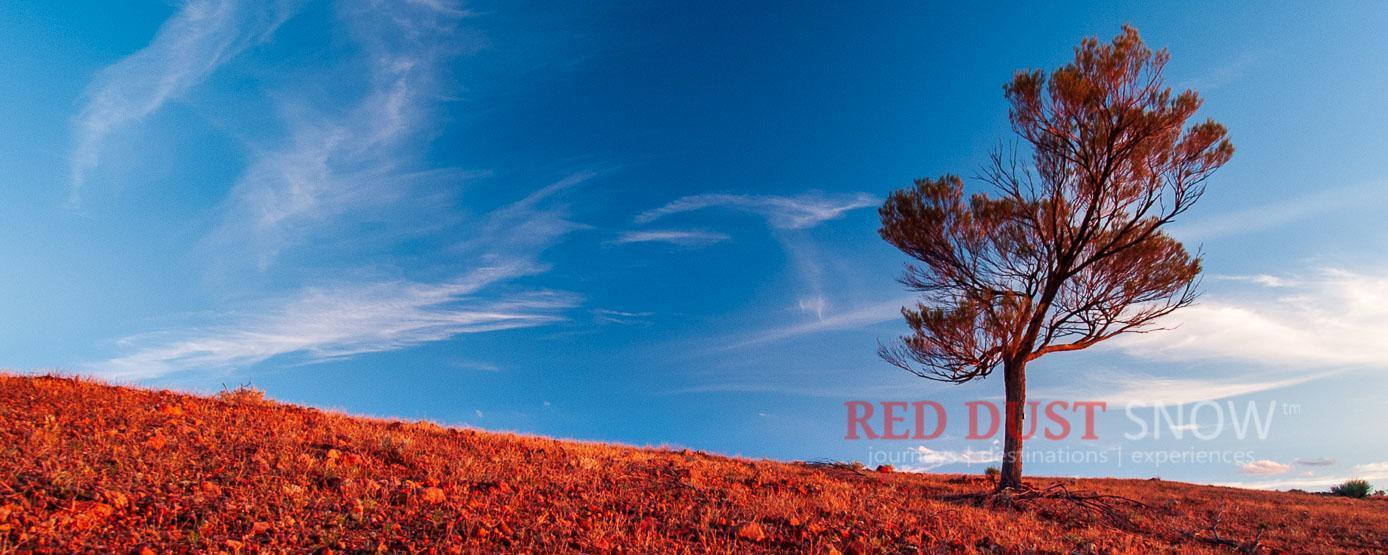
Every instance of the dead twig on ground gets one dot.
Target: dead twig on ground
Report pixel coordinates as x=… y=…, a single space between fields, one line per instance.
x=1214 y=537
x=1102 y=505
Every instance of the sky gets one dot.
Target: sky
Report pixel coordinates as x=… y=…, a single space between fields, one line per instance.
x=655 y=224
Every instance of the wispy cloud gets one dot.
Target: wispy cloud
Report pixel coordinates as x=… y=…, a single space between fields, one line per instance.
x=1376 y=473
x=925 y=459
x=1276 y=214
x=1264 y=280
x=357 y=161
x=1334 y=319
x=785 y=215
x=530 y=224
x=201 y=37
x=1321 y=461
x=815 y=305
x=795 y=384
x=343 y=319
x=683 y=238
x=1125 y=388
x=621 y=317
x=1284 y=332
x=1264 y=467
x=323 y=323
x=781 y=212
x=809 y=266
x=1221 y=74
x=857 y=317
x=349 y=173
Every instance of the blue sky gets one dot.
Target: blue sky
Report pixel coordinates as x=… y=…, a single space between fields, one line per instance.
x=655 y=224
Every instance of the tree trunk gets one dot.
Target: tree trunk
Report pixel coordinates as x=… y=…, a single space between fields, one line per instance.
x=1015 y=380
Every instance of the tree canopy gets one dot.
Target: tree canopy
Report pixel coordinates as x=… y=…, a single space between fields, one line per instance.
x=1069 y=250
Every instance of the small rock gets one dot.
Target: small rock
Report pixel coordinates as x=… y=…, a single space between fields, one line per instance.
x=156 y=442
x=432 y=496
x=117 y=499
x=87 y=514
x=885 y=468
x=752 y=532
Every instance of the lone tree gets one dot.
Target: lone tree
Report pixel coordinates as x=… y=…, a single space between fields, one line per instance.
x=1069 y=250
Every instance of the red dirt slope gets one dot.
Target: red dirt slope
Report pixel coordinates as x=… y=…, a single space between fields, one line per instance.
x=94 y=468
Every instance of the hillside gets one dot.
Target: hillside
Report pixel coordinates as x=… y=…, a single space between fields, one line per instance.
x=94 y=468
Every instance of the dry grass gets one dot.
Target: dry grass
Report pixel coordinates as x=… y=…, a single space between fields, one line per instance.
x=93 y=468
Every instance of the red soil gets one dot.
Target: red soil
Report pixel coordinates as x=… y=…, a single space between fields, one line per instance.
x=94 y=468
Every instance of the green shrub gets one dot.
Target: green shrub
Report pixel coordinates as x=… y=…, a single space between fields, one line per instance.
x=992 y=472
x=1353 y=488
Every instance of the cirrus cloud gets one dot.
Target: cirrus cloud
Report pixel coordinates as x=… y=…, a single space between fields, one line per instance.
x=683 y=238
x=201 y=37
x=324 y=323
x=782 y=212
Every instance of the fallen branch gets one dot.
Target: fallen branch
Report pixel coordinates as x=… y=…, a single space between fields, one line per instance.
x=1105 y=506
x=1214 y=538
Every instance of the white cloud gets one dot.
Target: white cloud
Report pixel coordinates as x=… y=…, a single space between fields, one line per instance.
x=319 y=324
x=1120 y=389
x=1371 y=471
x=1284 y=332
x=1257 y=218
x=349 y=175
x=529 y=225
x=857 y=317
x=1321 y=461
x=1260 y=279
x=359 y=162
x=683 y=238
x=622 y=317
x=781 y=212
x=347 y=318
x=785 y=215
x=815 y=305
x=794 y=384
x=924 y=458
x=1375 y=473
x=1264 y=467
x=201 y=37
x=1336 y=319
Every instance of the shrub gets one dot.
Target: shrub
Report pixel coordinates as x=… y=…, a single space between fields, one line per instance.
x=992 y=472
x=243 y=394
x=394 y=448
x=1353 y=488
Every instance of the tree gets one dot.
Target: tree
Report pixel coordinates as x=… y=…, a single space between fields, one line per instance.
x=1070 y=250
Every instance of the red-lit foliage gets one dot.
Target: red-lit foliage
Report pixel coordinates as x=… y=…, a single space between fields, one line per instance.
x=1069 y=250
x=93 y=468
